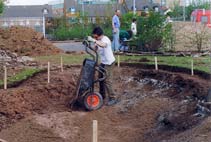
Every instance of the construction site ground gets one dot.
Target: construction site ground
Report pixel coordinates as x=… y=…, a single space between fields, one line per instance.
x=154 y=106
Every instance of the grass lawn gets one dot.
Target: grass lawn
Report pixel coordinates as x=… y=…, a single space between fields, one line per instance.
x=200 y=63
x=24 y=74
x=68 y=59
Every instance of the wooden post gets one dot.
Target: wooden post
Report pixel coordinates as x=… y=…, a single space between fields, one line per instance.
x=118 y=61
x=94 y=138
x=62 y=69
x=156 y=63
x=192 y=72
x=5 y=77
x=48 y=72
x=1 y=140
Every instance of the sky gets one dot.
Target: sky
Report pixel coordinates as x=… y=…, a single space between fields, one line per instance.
x=28 y=2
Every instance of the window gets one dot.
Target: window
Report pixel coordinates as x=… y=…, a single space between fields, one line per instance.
x=204 y=19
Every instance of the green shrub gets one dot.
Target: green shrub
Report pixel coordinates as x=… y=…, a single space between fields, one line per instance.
x=126 y=21
x=153 y=31
x=61 y=33
x=79 y=31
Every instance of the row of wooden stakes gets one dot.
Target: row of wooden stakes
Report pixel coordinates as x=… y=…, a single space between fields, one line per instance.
x=62 y=69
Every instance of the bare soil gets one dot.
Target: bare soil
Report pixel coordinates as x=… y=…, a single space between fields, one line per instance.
x=25 y=42
x=155 y=106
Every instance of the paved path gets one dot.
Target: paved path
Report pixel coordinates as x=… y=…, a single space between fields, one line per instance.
x=70 y=46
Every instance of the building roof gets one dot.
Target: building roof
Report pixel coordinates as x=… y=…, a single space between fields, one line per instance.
x=99 y=10
x=140 y=4
x=26 y=11
x=92 y=10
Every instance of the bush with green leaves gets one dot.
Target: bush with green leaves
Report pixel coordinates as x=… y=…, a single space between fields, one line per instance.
x=126 y=20
x=79 y=31
x=153 y=31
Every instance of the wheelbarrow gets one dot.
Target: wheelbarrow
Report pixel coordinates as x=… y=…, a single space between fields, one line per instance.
x=85 y=89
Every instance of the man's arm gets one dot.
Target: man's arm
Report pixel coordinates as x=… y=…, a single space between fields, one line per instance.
x=113 y=25
x=101 y=44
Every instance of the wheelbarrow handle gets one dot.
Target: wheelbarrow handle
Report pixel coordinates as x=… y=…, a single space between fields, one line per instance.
x=103 y=71
x=87 y=45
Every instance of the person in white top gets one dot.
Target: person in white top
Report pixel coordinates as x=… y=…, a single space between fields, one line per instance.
x=133 y=27
x=104 y=49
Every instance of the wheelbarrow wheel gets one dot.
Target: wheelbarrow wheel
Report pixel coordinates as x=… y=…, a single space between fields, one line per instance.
x=93 y=101
x=208 y=98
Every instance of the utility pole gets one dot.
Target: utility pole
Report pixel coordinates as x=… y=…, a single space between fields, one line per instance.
x=134 y=7
x=83 y=8
x=184 y=5
x=210 y=9
x=83 y=18
x=65 y=13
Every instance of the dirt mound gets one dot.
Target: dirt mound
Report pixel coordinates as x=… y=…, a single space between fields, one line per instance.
x=26 y=42
x=37 y=96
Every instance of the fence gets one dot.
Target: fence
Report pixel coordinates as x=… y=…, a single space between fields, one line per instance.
x=35 y=23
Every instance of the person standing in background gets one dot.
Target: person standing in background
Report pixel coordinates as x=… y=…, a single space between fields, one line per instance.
x=115 y=30
x=134 y=27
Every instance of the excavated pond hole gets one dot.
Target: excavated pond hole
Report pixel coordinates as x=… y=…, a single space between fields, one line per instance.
x=153 y=106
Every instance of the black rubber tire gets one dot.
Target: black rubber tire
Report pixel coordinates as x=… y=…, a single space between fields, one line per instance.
x=208 y=98
x=89 y=107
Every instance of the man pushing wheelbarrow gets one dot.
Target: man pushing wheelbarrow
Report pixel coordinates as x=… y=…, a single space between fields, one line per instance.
x=85 y=93
x=102 y=45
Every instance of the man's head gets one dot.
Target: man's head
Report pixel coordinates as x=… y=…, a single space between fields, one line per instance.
x=118 y=12
x=134 y=19
x=97 y=33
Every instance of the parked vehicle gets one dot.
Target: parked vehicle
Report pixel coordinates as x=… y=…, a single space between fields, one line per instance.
x=201 y=15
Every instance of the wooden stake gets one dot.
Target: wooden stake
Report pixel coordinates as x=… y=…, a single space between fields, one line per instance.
x=192 y=72
x=94 y=139
x=156 y=63
x=48 y=72
x=118 y=61
x=62 y=69
x=1 y=140
x=5 y=77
